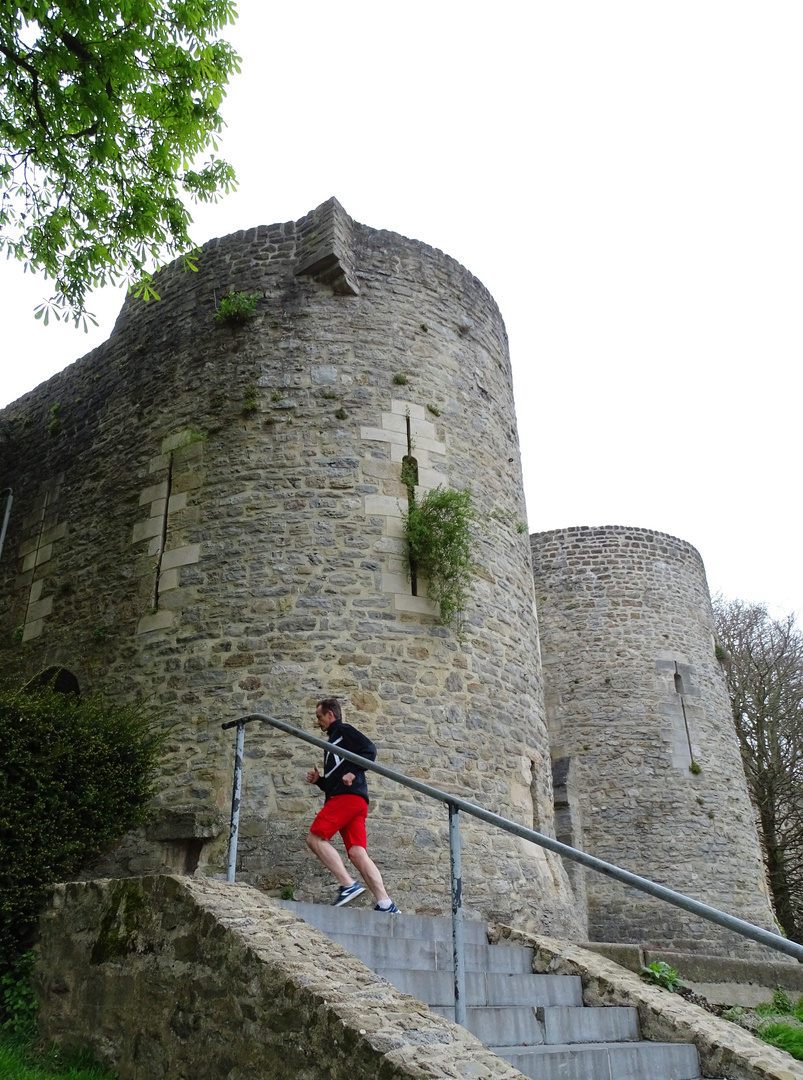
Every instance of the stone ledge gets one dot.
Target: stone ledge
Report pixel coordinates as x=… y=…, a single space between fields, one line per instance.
x=722 y=980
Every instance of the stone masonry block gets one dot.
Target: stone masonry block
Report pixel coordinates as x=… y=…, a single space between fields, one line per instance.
x=169 y=580
x=177 y=502
x=395 y=583
x=182 y=556
x=383 y=504
x=419 y=604
x=57 y=532
x=33 y=629
x=39 y=609
x=36 y=590
x=375 y=434
x=172 y=442
x=144 y=529
x=159 y=463
x=402 y=408
x=419 y=429
x=155 y=491
x=398 y=452
x=431 y=478
x=44 y=554
x=161 y=620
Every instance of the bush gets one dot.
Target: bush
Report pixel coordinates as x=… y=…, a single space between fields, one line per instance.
x=75 y=775
x=441 y=546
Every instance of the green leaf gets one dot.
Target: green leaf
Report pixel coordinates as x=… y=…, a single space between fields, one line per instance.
x=95 y=129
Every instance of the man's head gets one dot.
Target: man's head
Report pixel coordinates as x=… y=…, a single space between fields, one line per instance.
x=327 y=712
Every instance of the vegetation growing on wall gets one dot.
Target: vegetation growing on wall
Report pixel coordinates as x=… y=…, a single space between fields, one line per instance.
x=440 y=546
x=75 y=774
x=236 y=307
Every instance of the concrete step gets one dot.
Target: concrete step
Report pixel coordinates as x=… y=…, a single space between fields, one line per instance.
x=606 y=1061
x=487 y=988
x=506 y=1025
x=364 y=920
x=524 y=1025
x=415 y=952
x=536 y=1022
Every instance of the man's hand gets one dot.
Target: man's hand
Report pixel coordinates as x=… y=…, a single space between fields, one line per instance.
x=348 y=778
x=313 y=776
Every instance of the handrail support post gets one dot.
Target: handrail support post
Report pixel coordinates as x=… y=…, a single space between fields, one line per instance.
x=458 y=942
x=234 y=829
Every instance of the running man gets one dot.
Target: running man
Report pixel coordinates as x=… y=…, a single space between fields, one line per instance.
x=345 y=808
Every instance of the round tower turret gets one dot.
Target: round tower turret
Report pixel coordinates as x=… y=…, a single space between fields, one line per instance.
x=642 y=735
x=215 y=524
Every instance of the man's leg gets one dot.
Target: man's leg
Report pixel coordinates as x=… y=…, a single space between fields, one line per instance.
x=330 y=858
x=367 y=869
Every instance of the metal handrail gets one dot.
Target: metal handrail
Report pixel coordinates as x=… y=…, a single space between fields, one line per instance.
x=704 y=911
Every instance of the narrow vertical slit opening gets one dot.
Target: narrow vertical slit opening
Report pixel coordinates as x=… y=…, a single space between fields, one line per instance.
x=163 y=534
x=680 y=692
x=409 y=476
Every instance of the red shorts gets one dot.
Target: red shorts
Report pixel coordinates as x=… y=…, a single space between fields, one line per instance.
x=345 y=814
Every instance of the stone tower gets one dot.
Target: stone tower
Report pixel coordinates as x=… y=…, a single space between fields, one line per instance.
x=210 y=518
x=646 y=759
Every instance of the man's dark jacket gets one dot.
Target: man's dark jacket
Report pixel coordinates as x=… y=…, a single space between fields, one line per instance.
x=334 y=767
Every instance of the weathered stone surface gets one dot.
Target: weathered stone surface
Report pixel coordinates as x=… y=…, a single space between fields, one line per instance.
x=725 y=1049
x=190 y=979
x=720 y=980
x=216 y=527
x=635 y=696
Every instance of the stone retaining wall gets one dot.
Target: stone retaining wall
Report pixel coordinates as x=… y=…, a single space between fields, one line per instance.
x=189 y=979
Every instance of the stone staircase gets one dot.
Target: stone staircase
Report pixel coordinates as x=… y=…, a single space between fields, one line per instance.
x=537 y=1023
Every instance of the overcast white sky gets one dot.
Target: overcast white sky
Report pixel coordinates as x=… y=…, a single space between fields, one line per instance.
x=627 y=180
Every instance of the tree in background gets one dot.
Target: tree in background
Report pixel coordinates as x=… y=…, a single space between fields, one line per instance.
x=103 y=109
x=764 y=672
x=75 y=775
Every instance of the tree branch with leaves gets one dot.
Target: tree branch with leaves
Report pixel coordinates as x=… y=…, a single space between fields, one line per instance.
x=104 y=110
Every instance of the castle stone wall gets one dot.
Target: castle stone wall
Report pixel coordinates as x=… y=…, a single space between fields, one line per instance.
x=635 y=696
x=210 y=518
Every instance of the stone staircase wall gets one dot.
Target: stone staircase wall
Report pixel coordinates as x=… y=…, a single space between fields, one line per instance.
x=195 y=979
x=724 y=1048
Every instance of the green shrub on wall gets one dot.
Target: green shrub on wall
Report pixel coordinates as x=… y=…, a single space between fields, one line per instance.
x=236 y=307
x=441 y=546
x=75 y=774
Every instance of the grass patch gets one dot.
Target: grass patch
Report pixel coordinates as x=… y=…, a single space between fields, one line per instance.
x=785 y=1037
x=19 y=1062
